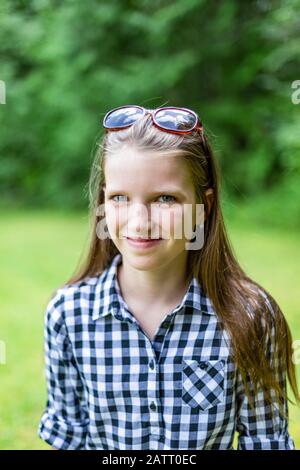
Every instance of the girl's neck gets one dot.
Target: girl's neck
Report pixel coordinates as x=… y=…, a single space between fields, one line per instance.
x=160 y=287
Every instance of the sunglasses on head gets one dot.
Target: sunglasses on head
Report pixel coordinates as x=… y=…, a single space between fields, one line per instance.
x=170 y=119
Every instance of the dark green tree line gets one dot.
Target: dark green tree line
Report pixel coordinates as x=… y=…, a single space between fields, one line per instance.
x=65 y=63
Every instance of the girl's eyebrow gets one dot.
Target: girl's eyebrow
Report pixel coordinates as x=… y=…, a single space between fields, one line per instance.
x=152 y=194
x=167 y=191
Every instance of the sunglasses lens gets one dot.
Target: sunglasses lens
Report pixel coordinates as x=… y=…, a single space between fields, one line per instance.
x=122 y=117
x=176 y=119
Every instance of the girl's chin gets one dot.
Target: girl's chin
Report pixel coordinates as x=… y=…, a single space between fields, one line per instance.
x=138 y=262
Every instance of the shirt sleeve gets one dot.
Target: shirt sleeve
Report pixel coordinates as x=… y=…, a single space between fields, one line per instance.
x=257 y=428
x=64 y=422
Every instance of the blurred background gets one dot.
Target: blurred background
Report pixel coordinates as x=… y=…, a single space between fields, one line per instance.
x=63 y=65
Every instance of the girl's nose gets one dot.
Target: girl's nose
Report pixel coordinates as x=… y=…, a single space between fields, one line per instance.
x=139 y=221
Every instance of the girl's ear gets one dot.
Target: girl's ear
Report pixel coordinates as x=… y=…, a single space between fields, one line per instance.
x=209 y=197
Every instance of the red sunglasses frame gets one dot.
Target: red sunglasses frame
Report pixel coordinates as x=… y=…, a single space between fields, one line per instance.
x=197 y=126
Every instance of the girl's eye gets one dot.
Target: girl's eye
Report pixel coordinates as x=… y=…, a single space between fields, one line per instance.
x=168 y=196
x=117 y=195
x=168 y=199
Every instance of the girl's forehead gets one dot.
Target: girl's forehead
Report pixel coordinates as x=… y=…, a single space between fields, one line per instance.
x=131 y=165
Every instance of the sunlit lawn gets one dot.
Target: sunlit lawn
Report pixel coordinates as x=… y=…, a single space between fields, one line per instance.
x=39 y=250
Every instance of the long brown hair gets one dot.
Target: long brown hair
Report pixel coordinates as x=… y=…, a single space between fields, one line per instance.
x=245 y=309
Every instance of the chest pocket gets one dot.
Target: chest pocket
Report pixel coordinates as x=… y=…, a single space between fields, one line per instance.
x=203 y=383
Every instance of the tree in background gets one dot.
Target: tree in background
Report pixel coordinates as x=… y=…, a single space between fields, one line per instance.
x=66 y=63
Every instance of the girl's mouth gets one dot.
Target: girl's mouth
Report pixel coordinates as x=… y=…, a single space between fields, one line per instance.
x=143 y=243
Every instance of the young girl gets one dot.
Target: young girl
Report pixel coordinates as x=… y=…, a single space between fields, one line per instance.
x=167 y=343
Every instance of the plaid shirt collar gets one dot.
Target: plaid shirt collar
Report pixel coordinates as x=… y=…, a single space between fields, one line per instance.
x=115 y=304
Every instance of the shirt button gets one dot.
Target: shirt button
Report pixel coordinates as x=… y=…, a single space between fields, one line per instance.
x=151 y=364
x=153 y=406
x=203 y=365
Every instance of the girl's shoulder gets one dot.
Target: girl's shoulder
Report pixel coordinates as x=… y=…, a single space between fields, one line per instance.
x=65 y=301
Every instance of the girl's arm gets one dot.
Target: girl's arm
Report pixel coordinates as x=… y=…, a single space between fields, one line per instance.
x=258 y=429
x=64 y=422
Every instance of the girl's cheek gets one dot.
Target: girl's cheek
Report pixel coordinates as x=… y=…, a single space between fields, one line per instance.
x=178 y=224
x=170 y=221
x=113 y=219
x=190 y=220
x=183 y=222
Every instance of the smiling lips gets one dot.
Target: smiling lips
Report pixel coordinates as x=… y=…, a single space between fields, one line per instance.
x=142 y=239
x=143 y=242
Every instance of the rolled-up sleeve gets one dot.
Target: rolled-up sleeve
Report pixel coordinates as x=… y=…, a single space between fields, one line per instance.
x=64 y=422
x=257 y=428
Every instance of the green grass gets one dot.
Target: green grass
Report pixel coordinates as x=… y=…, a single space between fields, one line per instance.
x=39 y=251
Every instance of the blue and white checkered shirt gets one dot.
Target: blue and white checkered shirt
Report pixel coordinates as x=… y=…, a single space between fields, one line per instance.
x=110 y=387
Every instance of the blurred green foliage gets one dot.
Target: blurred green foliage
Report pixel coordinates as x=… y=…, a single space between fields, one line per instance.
x=66 y=63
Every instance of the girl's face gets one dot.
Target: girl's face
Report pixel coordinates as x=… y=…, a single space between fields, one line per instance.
x=146 y=196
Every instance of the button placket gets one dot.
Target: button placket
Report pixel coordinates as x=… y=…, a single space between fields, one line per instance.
x=153 y=394
x=153 y=387
x=154 y=420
